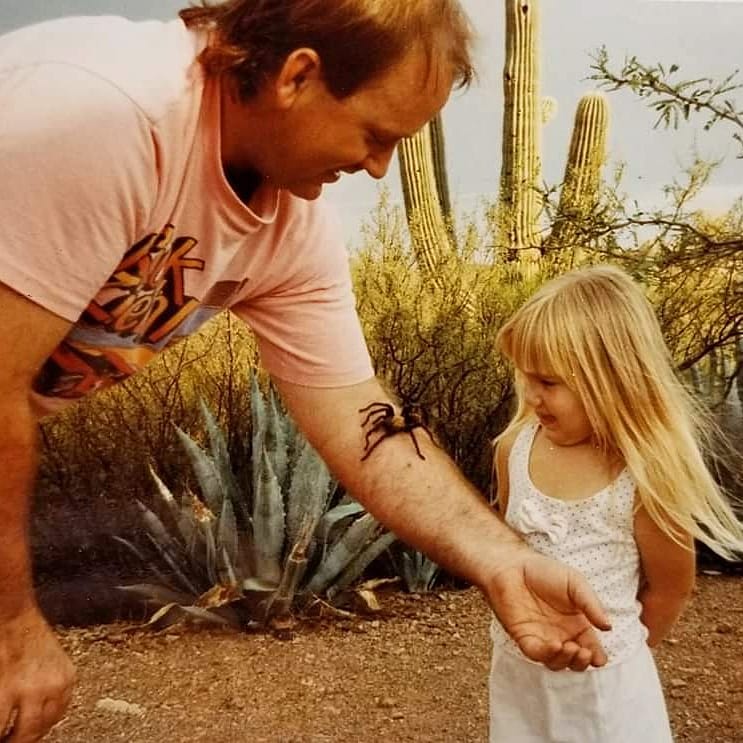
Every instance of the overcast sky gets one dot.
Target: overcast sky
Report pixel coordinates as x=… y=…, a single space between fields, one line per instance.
x=701 y=36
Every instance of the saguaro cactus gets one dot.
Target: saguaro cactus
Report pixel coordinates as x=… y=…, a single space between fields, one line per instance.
x=441 y=178
x=426 y=194
x=519 y=199
x=586 y=157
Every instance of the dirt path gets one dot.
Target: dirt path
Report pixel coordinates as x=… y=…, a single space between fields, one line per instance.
x=416 y=673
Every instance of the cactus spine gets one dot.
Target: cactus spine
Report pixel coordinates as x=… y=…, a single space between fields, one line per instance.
x=582 y=178
x=519 y=203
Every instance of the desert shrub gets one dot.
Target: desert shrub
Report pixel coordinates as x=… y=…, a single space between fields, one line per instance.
x=104 y=444
x=434 y=344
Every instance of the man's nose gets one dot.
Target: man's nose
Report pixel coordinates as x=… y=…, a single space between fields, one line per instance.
x=377 y=162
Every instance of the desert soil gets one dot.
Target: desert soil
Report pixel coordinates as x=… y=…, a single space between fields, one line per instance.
x=417 y=671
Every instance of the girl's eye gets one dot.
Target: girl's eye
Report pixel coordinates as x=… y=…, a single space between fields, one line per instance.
x=547 y=382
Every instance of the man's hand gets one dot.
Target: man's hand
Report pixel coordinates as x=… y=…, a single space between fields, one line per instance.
x=549 y=610
x=36 y=678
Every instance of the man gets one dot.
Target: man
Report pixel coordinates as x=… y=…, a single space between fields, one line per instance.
x=154 y=173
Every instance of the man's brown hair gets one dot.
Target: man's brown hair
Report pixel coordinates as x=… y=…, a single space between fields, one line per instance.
x=356 y=39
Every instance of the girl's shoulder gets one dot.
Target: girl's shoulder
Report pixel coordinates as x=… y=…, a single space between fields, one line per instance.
x=505 y=442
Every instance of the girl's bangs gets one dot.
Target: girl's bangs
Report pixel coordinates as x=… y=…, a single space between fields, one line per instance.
x=533 y=345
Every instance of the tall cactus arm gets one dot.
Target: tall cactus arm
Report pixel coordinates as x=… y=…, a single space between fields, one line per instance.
x=520 y=168
x=586 y=158
x=422 y=205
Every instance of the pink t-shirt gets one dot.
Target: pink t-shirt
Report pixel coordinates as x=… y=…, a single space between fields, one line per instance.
x=116 y=214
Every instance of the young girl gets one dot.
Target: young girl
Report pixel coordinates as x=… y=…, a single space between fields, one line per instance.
x=601 y=468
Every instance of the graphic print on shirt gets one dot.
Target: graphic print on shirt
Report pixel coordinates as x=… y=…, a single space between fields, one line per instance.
x=140 y=310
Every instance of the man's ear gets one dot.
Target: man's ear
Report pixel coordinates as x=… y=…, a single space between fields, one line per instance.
x=301 y=70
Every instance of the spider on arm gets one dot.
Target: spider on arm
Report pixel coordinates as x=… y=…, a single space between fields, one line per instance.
x=383 y=419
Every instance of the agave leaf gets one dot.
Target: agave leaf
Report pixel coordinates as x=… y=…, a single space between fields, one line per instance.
x=188 y=528
x=211 y=553
x=429 y=572
x=138 y=553
x=155 y=527
x=217 y=441
x=158 y=594
x=220 y=453
x=350 y=544
x=258 y=421
x=173 y=565
x=164 y=492
x=308 y=493
x=170 y=614
x=335 y=516
x=268 y=523
x=275 y=440
x=408 y=571
x=359 y=563
x=417 y=571
x=245 y=553
x=229 y=569
x=227 y=531
x=205 y=469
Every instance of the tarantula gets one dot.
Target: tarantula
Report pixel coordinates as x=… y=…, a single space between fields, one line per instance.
x=383 y=418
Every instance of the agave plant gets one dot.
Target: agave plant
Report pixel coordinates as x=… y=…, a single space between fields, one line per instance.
x=418 y=572
x=248 y=555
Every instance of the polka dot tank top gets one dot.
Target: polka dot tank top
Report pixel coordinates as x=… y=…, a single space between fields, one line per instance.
x=593 y=535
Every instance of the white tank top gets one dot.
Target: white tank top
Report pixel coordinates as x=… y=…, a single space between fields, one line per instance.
x=593 y=535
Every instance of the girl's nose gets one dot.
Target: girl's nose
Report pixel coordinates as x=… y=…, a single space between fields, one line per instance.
x=531 y=395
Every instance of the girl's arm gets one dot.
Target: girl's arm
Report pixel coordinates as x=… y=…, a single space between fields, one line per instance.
x=669 y=571
x=500 y=472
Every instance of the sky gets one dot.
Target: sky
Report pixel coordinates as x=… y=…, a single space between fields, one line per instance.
x=701 y=36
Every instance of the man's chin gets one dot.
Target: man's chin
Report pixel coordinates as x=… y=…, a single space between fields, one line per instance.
x=307 y=190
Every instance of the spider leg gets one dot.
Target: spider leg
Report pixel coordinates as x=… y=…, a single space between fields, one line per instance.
x=382 y=410
x=374 y=445
x=430 y=435
x=415 y=443
x=376 y=417
x=377 y=425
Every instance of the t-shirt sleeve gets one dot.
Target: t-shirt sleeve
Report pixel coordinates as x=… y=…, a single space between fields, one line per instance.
x=307 y=329
x=77 y=179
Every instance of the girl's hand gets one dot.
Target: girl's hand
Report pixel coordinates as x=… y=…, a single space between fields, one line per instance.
x=549 y=610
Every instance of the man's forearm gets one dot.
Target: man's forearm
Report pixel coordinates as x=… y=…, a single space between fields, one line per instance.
x=421 y=501
x=426 y=502
x=18 y=457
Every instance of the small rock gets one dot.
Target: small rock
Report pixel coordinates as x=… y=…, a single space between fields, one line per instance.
x=386 y=703
x=397 y=716
x=119 y=706
x=723 y=628
x=677 y=683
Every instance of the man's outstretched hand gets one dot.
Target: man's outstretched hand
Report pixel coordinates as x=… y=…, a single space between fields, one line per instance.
x=549 y=610
x=36 y=678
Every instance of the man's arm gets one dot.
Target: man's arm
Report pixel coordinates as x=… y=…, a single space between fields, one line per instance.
x=546 y=607
x=669 y=572
x=36 y=676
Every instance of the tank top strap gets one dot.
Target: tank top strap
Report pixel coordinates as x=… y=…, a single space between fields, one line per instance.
x=518 y=463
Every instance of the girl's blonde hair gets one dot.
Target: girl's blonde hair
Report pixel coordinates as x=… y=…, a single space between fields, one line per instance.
x=594 y=329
